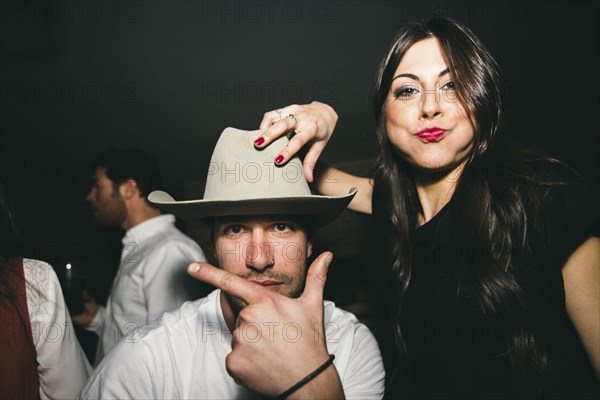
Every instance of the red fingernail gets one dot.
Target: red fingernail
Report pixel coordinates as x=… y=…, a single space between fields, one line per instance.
x=259 y=141
x=279 y=159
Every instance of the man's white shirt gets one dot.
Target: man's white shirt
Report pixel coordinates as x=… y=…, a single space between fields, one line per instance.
x=152 y=278
x=182 y=355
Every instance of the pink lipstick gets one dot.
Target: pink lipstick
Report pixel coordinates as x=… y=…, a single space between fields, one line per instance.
x=433 y=134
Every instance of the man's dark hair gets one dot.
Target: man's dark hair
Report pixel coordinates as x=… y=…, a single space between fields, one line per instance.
x=123 y=164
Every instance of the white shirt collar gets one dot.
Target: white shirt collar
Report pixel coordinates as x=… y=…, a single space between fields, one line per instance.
x=148 y=228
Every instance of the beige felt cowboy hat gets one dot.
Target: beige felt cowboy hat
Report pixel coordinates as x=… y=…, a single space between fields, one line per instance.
x=243 y=180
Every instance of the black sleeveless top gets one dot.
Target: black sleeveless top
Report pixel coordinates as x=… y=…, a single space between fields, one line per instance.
x=455 y=350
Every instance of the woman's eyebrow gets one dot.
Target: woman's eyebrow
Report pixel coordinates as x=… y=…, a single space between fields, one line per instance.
x=416 y=78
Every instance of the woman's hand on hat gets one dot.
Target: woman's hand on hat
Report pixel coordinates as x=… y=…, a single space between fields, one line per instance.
x=313 y=123
x=277 y=340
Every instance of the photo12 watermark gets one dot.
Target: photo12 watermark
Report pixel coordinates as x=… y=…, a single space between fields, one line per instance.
x=270 y=12
x=46 y=172
x=79 y=251
x=252 y=332
x=70 y=12
x=270 y=92
x=253 y=252
x=472 y=12
x=68 y=92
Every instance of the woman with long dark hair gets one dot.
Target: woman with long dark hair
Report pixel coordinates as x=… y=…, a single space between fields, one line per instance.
x=492 y=255
x=40 y=356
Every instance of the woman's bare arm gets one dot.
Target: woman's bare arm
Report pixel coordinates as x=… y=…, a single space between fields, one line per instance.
x=581 y=275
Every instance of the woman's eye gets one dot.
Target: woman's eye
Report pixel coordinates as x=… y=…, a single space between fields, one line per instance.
x=405 y=92
x=449 y=86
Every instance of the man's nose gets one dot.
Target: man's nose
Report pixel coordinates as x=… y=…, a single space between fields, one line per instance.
x=259 y=253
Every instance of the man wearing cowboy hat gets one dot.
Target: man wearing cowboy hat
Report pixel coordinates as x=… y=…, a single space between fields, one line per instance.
x=266 y=331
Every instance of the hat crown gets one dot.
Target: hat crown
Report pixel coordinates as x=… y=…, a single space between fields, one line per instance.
x=239 y=171
x=243 y=180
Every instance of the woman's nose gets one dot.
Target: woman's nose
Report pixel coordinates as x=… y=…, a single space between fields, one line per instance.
x=430 y=104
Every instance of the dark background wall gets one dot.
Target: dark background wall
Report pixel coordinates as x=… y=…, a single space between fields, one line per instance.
x=77 y=77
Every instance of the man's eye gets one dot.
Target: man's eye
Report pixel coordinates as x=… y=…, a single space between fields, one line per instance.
x=282 y=227
x=233 y=229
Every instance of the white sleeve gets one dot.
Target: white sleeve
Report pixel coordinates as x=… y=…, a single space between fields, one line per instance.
x=365 y=375
x=122 y=374
x=167 y=284
x=63 y=367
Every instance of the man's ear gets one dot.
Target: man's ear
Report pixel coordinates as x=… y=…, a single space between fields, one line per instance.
x=309 y=249
x=128 y=189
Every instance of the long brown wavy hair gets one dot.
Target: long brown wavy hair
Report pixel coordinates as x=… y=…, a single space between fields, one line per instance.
x=497 y=208
x=10 y=247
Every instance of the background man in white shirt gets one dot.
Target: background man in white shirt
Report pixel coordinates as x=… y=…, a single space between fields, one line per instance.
x=151 y=278
x=262 y=228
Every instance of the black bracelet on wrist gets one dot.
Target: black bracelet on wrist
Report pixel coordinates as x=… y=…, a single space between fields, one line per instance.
x=306 y=379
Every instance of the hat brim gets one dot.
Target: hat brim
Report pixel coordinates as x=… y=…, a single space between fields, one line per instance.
x=324 y=208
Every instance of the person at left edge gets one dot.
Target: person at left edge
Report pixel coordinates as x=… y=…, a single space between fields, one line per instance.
x=40 y=356
x=152 y=277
